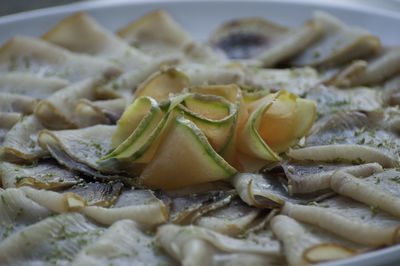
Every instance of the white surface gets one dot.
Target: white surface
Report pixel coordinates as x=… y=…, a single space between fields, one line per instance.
x=200 y=18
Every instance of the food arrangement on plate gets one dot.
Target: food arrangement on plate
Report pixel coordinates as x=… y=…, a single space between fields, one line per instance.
x=265 y=145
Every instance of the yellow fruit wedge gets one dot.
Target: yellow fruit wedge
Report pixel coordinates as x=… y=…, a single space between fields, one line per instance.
x=184 y=158
x=141 y=145
x=213 y=115
x=142 y=113
x=249 y=140
x=288 y=119
x=278 y=123
x=209 y=106
x=252 y=96
x=305 y=116
x=163 y=83
x=233 y=94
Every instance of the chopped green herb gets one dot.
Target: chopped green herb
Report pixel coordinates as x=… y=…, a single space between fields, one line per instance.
x=8 y=227
x=317 y=54
x=361 y=131
x=3 y=200
x=27 y=62
x=19 y=212
x=18 y=179
x=395 y=179
x=374 y=210
x=362 y=141
x=13 y=64
x=358 y=161
x=337 y=161
x=339 y=103
x=337 y=139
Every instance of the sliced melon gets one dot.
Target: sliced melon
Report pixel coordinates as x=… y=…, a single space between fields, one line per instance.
x=141 y=145
x=288 y=119
x=185 y=158
x=146 y=152
x=229 y=92
x=209 y=106
x=163 y=83
x=305 y=116
x=143 y=111
x=278 y=123
x=213 y=115
x=249 y=140
x=252 y=96
x=233 y=94
x=137 y=123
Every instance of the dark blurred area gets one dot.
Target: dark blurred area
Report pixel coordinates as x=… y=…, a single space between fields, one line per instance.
x=16 y=6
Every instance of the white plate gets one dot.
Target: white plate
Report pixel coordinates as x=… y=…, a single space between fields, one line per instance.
x=200 y=18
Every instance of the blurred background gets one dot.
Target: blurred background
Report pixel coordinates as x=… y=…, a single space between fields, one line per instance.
x=16 y=6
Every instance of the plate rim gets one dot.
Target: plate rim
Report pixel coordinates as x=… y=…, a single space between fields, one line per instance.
x=100 y=4
x=377 y=257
